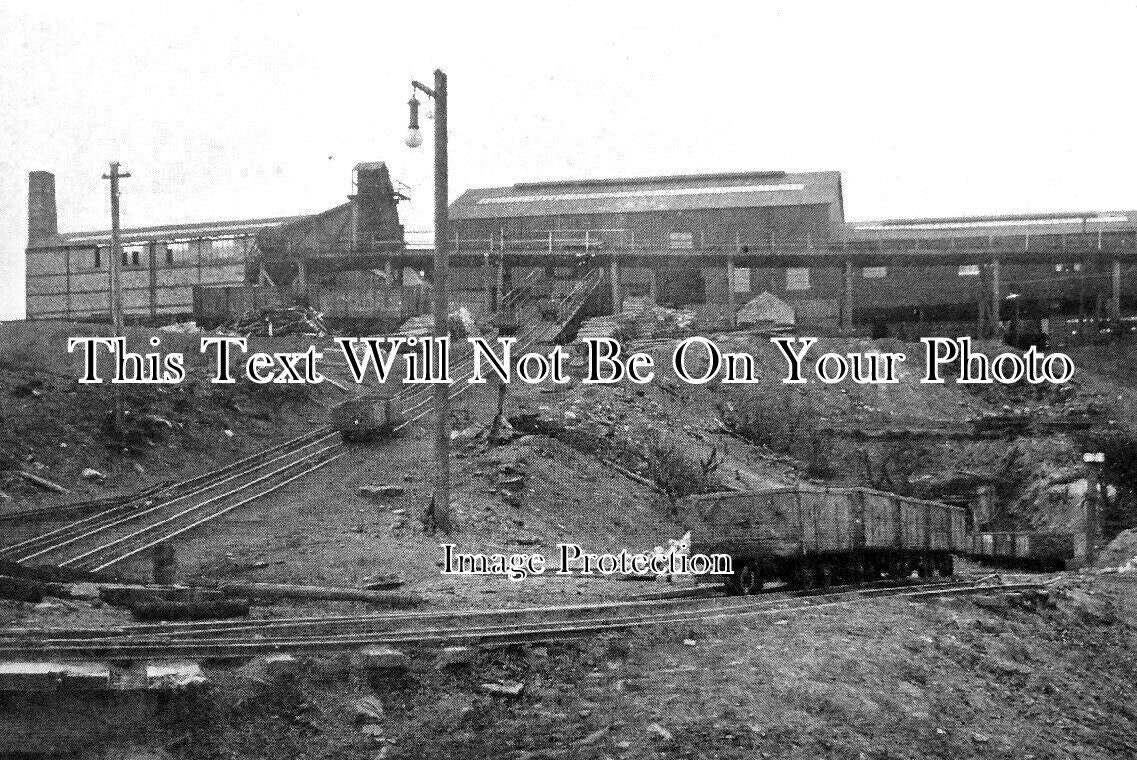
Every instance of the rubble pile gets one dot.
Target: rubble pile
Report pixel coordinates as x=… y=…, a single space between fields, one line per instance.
x=640 y=318
x=767 y=311
x=285 y=320
x=1121 y=552
x=461 y=323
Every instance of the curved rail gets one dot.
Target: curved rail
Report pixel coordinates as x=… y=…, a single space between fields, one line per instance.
x=482 y=627
x=159 y=522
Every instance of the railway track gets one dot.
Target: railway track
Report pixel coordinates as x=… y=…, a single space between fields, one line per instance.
x=245 y=638
x=110 y=537
x=102 y=540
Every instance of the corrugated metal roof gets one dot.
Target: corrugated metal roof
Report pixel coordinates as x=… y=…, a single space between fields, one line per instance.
x=1048 y=223
x=637 y=194
x=167 y=232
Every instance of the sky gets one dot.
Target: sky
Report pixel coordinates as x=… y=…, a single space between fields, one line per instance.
x=237 y=110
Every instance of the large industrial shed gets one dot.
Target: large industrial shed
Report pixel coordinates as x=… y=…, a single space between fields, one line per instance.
x=681 y=214
x=680 y=238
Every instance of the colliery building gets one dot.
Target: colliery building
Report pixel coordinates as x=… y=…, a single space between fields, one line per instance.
x=712 y=240
x=164 y=269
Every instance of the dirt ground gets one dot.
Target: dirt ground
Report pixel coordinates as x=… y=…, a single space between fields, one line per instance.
x=604 y=467
x=881 y=679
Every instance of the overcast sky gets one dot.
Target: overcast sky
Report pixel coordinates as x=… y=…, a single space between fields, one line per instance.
x=237 y=110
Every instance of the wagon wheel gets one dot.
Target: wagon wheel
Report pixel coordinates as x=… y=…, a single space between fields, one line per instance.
x=856 y=570
x=749 y=580
x=825 y=574
x=804 y=575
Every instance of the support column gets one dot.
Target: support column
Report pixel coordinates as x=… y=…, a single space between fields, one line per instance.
x=1115 y=300
x=614 y=281
x=996 y=297
x=847 y=303
x=153 y=281
x=653 y=285
x=731 y=311
x=499 y=289
x=487 y=288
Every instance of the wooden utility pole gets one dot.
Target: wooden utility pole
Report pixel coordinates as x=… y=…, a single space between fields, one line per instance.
x=114 y=290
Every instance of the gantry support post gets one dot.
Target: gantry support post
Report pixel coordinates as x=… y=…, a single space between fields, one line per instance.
x=1115 y=299
x=614 y=282
x=731 y=311
x=486 y=285
x=847 y=303
x=996 y=297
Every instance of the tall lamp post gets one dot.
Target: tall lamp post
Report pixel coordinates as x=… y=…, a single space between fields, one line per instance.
x=441 y=499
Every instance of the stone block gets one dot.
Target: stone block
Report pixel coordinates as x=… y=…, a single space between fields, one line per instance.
x=455 y=656
x=173 y=675
x=52 y=676
x=381 y=658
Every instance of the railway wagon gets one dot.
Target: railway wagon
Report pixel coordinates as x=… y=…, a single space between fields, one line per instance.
x=1027 y=550
x=820 y=536
x=365 y=417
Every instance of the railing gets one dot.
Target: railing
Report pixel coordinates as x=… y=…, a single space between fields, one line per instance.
x=607 y=240
x=590 y=241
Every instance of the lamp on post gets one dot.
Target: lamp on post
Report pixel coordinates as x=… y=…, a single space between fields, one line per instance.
x=441 y=500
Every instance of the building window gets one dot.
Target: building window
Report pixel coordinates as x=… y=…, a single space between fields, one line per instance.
x=1067 y=267
x=797 y=278
x=968 y=270
x=682 y=240
x=98 y=257
x=176 y=251
x=223 y=247
x=874 y=273
x=741 y=282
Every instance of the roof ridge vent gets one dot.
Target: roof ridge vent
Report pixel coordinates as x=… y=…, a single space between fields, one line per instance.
x=610 y=181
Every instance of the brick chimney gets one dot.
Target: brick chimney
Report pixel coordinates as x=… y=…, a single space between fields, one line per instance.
x=42 y=222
